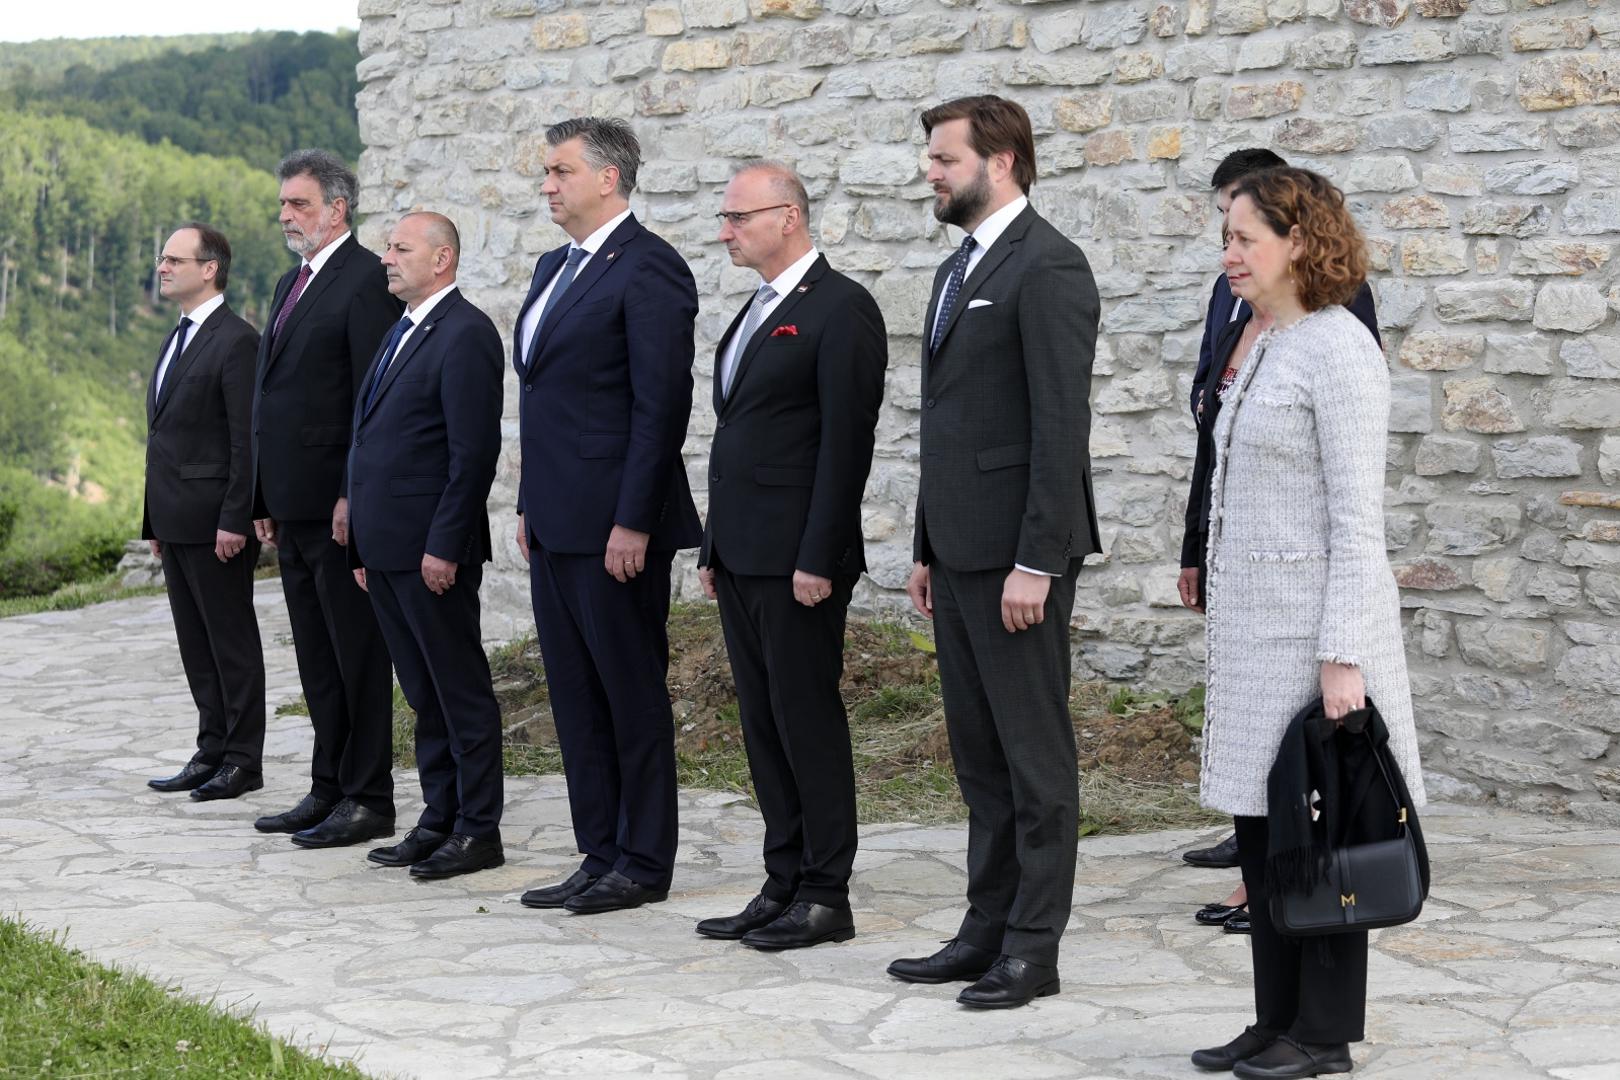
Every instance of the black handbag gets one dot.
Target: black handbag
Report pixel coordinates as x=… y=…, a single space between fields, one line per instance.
x=1366 y=886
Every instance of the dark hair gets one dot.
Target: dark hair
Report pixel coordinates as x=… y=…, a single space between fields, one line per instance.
x=213 y=247
x=995 y=125
x=1240 y=163
x=1334 y=264
x=606 y=141
x=336 y=179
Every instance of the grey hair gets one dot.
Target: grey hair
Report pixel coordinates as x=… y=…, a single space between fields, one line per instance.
x=606 y=141
x=441 y=231
x=784 y=181
x=336 y=179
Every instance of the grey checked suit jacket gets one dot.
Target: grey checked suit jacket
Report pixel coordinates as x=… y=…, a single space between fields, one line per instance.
x=1006 y=417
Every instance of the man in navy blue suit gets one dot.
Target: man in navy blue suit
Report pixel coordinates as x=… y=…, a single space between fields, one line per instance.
x=603 y=350
x=427 y=433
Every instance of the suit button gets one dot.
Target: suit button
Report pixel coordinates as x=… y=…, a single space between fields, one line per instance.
x=722 y=423
x=357 y=440
x=527 y=387
x=714 y=478
x=264 y=393
x=929 y=403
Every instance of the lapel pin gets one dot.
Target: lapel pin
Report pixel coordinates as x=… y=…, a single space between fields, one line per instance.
x=610 y=255
x=804 y=288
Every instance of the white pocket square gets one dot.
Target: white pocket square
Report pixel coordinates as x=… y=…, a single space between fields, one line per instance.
x=977 y=303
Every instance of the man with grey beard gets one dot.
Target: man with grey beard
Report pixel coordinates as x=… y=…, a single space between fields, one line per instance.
x=328 y=318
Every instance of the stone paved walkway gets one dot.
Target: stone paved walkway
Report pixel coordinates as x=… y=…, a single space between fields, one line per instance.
x=1513 y=972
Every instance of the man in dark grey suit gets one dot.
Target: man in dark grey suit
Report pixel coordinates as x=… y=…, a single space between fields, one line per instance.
x=1004 y=518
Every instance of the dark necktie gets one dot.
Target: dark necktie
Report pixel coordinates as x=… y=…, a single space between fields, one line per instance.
x=293 y=294
x=395 y=336
x=953 y=285
x=178 y=337
x=565 y=278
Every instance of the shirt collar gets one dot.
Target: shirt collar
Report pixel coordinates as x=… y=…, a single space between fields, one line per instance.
x=991 y=228
x=789 y=279
x=594 y=241
x=199 y=314
x=419 y=313
x=325 y=253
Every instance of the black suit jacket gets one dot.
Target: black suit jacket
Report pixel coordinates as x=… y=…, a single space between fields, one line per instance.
x=793 y=441
x=423 y=456
x=308 y=378
x=198 y=476
x=605 y=402
x=1006 y=417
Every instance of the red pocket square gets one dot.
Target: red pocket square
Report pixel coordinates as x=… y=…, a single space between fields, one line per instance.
x=785 y=331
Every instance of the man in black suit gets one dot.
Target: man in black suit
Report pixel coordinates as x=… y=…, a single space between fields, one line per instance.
x=797 y=384
x=427 y=433
x=198 y=512
x=603 y=350
x=328 y=318
x=1004 y=518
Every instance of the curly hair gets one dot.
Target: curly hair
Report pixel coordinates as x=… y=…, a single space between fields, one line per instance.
x=1334 y=264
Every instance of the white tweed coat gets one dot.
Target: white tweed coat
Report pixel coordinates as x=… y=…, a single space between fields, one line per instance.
x=1298 y=572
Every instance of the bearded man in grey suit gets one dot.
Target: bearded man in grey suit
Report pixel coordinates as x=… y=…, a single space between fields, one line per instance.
x=1004 y=518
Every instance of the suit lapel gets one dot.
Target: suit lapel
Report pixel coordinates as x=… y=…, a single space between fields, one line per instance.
x=196 y=345
x=988 y=262
x=408 y=350
x=544 y=271
x=602 y=261
x=720 y=358
x=768 y=325
x=312 y=293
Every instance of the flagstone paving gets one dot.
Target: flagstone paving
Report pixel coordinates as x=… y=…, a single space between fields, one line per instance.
x=1512 y=972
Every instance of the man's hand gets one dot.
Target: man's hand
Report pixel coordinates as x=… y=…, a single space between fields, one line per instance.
x=921 y=590
x=706 y=579
x=340 y=522
x=265 y=530
x=523 y=539
x=157 y=548
x=1187 y=586
x=228 y=544
x=626 y=553
x=1023 y=600
x=438 y=574
x=810 y=590
x=1343 y=690
x=360 y=578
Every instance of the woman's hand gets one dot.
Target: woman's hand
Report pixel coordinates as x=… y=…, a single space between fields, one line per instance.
x=1343 y=690
x=1187 y=586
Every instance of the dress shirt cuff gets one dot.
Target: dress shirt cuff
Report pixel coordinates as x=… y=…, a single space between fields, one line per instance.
x=1032 y=570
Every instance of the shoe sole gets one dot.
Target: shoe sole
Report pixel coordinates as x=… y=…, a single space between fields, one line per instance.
x=724 y=935
x=1047 y=990
x=1326 y=1070
x=222 y=798
x=768 y=946
x=436 y=876
x=547 y=905
x=315 y=845
x=935 y=980
x=372 y=858
x=659 y=899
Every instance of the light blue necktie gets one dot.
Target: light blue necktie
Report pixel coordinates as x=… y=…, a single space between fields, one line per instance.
x=756 y=311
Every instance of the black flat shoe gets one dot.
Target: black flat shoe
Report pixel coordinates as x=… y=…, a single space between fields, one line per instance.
x=1222 y=1058
x=230 y=782
x=1286 y=1059
x=614 y=892
x=418 y=844
x=309 y=812
x=554 y=896
x=348 y=823
x=1223 y=856
x=761 y=911
x=1010 y=983
x=802 y=925
x=190 y=778
x=1237 y=924
x=460 y=854
x=956 y=962
x=1216 y=914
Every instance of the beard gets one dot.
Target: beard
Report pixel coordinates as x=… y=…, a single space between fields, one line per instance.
x=967 y=204
x=305 y=244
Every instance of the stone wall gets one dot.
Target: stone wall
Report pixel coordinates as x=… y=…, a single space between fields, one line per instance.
x=1477 y=139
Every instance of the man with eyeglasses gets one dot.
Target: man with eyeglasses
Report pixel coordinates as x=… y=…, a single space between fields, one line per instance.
x=197 y=512
x=797 y=384
x=603 y=351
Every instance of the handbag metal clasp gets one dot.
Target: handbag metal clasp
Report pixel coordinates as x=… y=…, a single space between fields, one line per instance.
x=1347 y=901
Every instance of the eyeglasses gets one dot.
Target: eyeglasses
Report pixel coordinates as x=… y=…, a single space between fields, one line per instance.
x=175 y=260
x=738 y=218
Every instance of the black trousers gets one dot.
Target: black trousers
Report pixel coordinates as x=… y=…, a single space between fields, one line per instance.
x=1007 y=711
x=343 y=665
x=437 y=648
x=787 y=660
x=218 y=632
x=1313 y=990
x=606 y=651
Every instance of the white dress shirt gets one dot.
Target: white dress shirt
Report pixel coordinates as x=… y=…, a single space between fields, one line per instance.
x=320 y=258
x=590 y=245
x=781 y=284
x=198 y=315
x=419 y=313
x=988 y=232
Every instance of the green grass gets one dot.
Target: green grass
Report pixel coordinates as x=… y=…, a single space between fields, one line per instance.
x=77 y=595
x=63 y=1016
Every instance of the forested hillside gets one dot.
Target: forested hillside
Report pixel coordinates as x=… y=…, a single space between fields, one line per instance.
x=46 y=62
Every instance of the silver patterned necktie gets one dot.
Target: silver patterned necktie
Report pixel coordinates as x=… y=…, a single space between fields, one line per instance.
x=756 y=311
x=953 y=285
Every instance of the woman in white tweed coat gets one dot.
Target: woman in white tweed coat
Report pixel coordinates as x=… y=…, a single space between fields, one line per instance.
x=1300 y=597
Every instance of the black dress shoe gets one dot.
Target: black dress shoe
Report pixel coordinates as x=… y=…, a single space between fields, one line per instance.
x=310 y=811
x=461 y=854
x=229 y=782
x=1010 y=983
x=554 y=896
x=193 y=776
x=1237 y=924
x=761 y=911
x=1222 y=1058
x=1286 y=1059
x=802 y=925
x=1223 y=856
x=348 y=823
x=956 y=962
x=418 y=844
x=614 y=892
x=1216 y=914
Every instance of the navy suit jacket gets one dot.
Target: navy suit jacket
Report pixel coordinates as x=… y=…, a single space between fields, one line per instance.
x=605 y=399
x=422 y=458
x=1221 y=302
